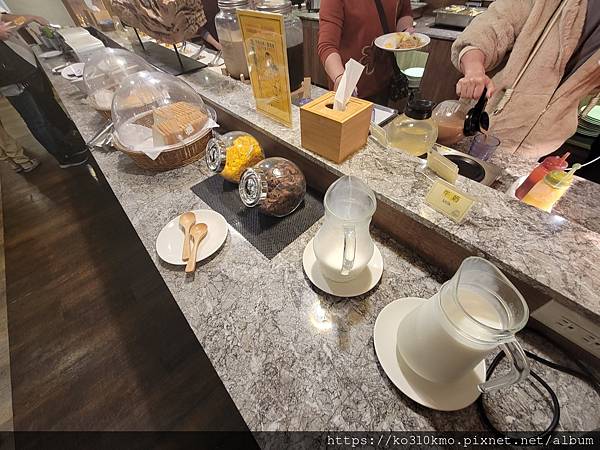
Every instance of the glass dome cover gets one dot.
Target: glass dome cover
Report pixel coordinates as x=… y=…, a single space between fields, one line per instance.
x=104 y=72
x=155 y=112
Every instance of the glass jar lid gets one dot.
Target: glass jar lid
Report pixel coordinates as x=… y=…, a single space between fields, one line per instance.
x=419 y=109
x=232 y=3
x=216 y=155
x=275 y=6
x=253 y=187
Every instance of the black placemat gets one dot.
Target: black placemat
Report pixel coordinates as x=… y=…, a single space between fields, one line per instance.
x=269 y=235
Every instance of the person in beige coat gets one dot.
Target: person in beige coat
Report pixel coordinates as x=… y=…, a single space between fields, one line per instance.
x=534 y=114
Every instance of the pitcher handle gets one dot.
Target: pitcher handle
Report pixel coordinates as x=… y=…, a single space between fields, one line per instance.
x=349 y=250
x=519 y=369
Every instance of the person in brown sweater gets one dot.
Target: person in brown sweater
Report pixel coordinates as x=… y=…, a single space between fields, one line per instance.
x=347 y=29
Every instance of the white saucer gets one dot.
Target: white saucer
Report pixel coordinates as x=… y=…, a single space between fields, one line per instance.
x=360 y=285
x=73 y=71
x=169 y=243
x=50 y=54
x=443 y=397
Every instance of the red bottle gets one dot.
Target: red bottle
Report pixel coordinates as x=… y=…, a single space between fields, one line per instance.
x=548 y=164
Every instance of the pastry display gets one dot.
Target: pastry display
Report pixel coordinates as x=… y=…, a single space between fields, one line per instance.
x=276 y=185
x=231 y=154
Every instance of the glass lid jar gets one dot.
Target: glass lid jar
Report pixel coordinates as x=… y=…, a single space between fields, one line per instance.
x=230 y=37
x=275 y=185
x=294 y=38
x=232 y=153
x=104 y=72
x=155 y=112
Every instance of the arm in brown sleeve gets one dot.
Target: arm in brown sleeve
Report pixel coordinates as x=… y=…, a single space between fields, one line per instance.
x=331 y=23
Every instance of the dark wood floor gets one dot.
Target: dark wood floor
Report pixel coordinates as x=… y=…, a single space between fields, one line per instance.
x=96 y=340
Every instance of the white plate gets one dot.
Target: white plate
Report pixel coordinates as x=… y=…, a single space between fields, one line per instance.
x=359 y=286
x=414 y=72
x=381 y=42
x=169 y=243
x=443 y=397
x=73 y=71
x=51 y=54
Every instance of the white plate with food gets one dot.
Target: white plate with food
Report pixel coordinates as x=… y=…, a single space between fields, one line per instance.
x=169 y=243
x=73 y=72
x=51 y=54
x=402 y=42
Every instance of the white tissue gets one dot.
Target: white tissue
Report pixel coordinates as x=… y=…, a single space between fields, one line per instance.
x=139 y=138
x=348 y=83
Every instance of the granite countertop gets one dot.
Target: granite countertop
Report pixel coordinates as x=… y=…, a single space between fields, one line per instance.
x=523 y=241
x=290 y=357
x=528 y=243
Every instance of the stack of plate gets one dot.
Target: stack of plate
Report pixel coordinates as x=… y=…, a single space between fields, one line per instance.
x=414 y=75
x=590 y=125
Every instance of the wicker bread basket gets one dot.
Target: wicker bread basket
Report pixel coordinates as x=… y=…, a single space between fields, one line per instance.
x=169 y=159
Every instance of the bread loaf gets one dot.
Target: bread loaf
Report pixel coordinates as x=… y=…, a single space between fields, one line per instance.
x=176 y=122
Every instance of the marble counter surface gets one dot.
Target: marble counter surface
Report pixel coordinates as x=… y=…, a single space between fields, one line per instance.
x=578 y=204
x=529 y=244
x=555 y=255
x=291 y=357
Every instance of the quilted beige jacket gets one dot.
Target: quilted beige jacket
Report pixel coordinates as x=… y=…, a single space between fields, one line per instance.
x=542 y=112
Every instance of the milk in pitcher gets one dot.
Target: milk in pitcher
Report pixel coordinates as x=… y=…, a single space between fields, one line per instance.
x=442 y=345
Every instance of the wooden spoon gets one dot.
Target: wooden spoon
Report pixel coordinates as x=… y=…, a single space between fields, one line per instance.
x=198 y=233
x=186 y=220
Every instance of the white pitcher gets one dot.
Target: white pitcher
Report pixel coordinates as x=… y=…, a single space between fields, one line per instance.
x=343 y=246
x=476 y=311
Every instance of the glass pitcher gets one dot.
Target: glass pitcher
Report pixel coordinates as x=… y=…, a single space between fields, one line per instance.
x=476 y=311
x=343 y=246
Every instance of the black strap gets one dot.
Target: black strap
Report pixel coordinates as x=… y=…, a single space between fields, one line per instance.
x=382 y=17
x=386 y=30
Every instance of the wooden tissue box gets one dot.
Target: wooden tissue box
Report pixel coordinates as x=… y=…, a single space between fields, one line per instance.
x=335 y=135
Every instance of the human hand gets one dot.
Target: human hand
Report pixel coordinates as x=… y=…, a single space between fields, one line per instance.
x=473 y=84
x=5 y=30
x=475 y=80
x=336 y=84
x=410 y=30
